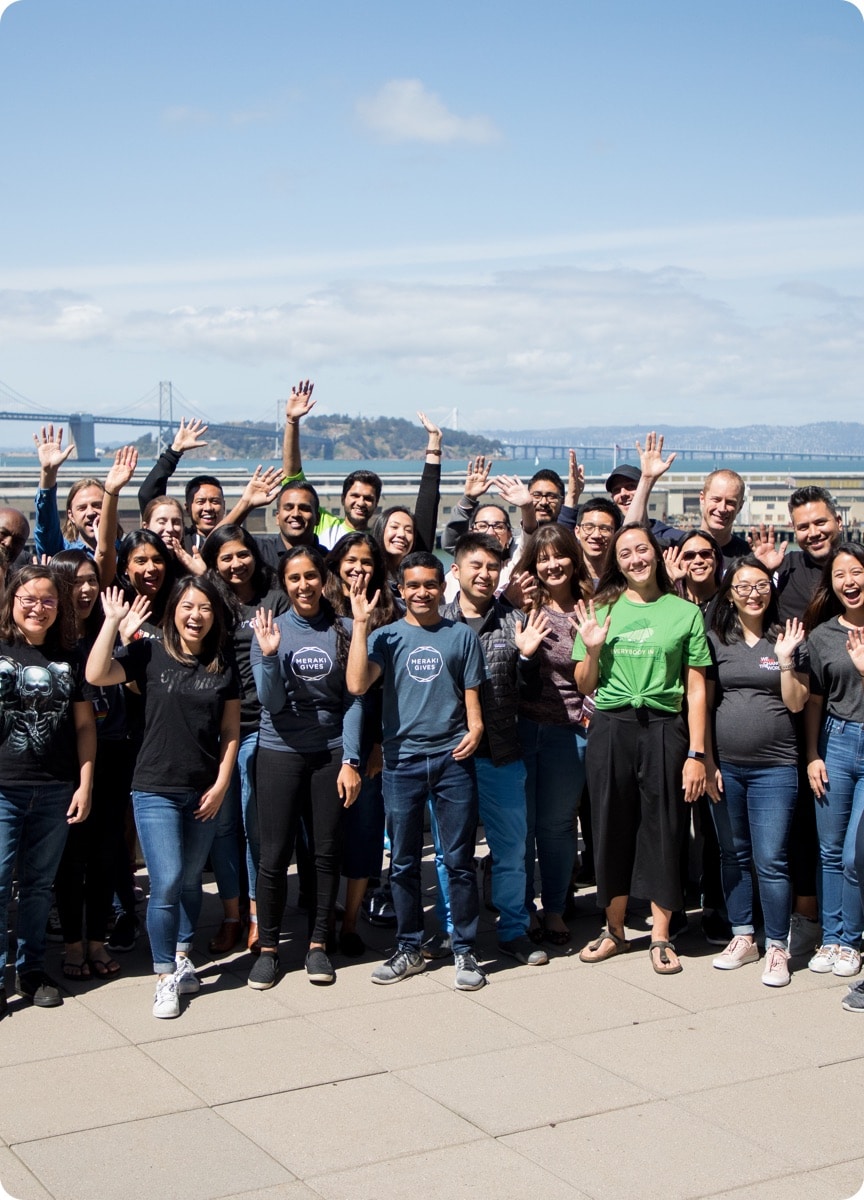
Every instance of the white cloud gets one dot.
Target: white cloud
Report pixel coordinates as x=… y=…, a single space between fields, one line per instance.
x=403 y=110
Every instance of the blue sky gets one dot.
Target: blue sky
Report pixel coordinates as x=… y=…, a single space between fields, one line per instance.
x=560 y=213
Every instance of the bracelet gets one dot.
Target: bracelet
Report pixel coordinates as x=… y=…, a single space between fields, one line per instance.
x=116 y=495
x=697 y=754
x=791 y=667
x=437 y=453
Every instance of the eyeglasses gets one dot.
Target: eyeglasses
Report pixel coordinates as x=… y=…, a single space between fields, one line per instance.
x=485 y=526
x=691 y=555
x=604 y=530
x=545 y=497
x=747 y=589
x=28 y=602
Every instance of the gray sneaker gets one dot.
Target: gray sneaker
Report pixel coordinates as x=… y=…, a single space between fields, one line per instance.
x=525 y=952
x=853 y=1001
x=399 y=966
x=470 y=976
x=439 y=945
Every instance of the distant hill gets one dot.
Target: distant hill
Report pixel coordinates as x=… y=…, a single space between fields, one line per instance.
x=826 y=437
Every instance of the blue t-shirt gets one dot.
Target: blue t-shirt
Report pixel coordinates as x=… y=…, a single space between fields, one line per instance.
x=425 y=671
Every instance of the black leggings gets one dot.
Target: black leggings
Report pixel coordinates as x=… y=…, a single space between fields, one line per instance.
x=287 y=786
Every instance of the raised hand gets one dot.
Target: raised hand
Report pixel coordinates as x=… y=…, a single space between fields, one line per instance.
x=592 y=633
x=790 y=638
x=50 y=452
x=193 y=563
x=300 y=402
x=361 y=606
x=138 y=612
x=855 y=646
x=651 y=461
x=675 y=568
x=115 y=606
x=575 y=480
x=477 y=476
x=267 y=632
x=125 y=462
x=262 y=487
x=530 y=637
x=763 y=547
x=512 y=490
x=189 y=436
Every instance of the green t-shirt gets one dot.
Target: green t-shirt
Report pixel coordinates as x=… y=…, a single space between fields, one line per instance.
x=647 y=648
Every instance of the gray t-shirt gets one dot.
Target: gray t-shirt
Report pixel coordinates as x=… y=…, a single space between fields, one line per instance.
x=426 y=670
x=752 y=725
x=833 y=674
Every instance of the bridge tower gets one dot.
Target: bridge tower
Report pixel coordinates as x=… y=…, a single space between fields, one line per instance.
x=166 y=415
x=82 y=429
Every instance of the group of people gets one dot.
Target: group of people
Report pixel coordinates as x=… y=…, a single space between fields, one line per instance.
x=304 y=692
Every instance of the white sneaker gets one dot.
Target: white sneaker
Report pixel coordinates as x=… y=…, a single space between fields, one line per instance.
x=847 y=963
x=739 y=951
x=188 y=983
x=776 y=973
x=804 y=936
x=823 y=960
x=166 y=1002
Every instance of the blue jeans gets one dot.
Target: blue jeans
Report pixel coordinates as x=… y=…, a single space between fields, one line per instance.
x=238 y=805
x=501 y=794
x=752 y=822
x=554 y=757
x=32 y=828
x=453 y=789
x=175 y=849
x=838 y=812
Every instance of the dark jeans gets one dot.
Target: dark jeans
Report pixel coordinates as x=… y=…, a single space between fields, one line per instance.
x=288 y=785
x=451 y=787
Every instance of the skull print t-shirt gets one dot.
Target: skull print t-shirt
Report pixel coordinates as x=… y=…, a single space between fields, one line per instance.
x=38 y=743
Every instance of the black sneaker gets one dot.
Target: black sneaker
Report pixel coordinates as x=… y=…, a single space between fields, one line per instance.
x=264 y=973
x=319 y=968
x=39 y=988
x=379 y=911
x=715 y=928
x=124 y=934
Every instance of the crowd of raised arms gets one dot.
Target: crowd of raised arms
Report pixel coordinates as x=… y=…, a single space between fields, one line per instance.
x=309 y=693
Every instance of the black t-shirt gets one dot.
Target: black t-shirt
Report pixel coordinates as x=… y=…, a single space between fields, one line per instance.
x=250 y=706
x=183 y=706
x=797 y=580
x=736 y=547
x=38 y=743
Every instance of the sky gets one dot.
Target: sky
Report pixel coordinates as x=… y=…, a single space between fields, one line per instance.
x=571 y=212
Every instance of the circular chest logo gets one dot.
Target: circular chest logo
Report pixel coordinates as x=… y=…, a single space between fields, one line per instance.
x=425 y=664
x=311 y=662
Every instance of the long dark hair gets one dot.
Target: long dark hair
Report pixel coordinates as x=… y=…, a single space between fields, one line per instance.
x=262 y=576
x=327 y=611
x=560 y=539
x=213 y=645
x=380 y=524
x=385 y=611
x=726 y=621
x=131 y=542
x=67 y=564
x=613 y=583
x=716 y=553
x=62 y=634
x=825 y=603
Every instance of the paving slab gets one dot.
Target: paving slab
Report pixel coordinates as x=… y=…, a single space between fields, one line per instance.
x=657 y=1151
x=16 y=1180
x=810 y=1027
x=185 y=1156
x=423 y=1029
x=349 y=1124
x=86 y=1091
x=806 y=1186
x=682 y=1054
x=485 y=1169
x=257 y=1060
x=827 y=1104
x=29 y=1034
x=504 y=1091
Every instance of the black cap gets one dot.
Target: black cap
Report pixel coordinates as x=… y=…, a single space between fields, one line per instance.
x=624 y=471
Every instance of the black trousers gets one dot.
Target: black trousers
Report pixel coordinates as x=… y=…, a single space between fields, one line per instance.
x=288 y=786
x=634 y=761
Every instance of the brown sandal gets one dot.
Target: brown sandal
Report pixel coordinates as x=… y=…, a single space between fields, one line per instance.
x=620 y=945
x=666 y=965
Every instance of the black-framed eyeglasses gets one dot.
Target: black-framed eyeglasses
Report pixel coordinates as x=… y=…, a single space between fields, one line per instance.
x=763 y=588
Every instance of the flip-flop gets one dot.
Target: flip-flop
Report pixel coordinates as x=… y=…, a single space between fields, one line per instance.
x=76 y=970
x=104 y=968
x=620 y=945
x=666 y=967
